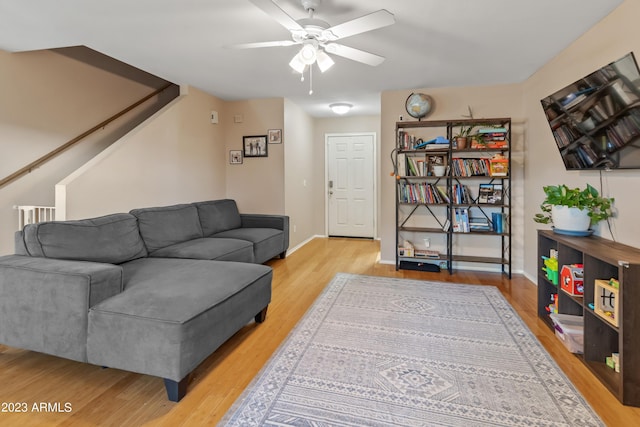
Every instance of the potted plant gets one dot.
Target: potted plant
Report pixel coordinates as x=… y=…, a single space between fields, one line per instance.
x=478 y=141
x=462 y=136
x=573 y=209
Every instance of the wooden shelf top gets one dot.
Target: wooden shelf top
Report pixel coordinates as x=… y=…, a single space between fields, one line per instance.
x=597 y=247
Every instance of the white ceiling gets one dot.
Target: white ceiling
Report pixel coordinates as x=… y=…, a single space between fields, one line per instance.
x=434 y=43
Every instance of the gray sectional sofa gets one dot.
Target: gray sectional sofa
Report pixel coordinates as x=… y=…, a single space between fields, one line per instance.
x=153 y=291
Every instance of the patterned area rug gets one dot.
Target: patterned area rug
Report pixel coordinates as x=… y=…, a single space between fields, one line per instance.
x=375 y=351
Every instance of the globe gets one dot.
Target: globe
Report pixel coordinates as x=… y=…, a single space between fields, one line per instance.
x=418 y=105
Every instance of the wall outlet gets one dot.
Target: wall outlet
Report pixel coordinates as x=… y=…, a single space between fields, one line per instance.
x=427 y=242
x=294 y=228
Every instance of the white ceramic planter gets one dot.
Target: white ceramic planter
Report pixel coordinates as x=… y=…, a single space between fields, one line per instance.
x=570 y=219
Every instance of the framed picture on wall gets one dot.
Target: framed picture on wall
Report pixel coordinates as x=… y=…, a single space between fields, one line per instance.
x=275 y=136
x=255 y=146
x=235 y=157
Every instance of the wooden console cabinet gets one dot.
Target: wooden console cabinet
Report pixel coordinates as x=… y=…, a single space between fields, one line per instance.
x=603 y=260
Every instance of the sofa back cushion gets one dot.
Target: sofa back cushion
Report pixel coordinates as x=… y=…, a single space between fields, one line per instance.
x=218 y=215
x=167 y=225
x=112 y=239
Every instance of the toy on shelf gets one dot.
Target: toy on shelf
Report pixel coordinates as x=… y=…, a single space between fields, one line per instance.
x=572 y=279
x=607 y=301
x=553 y=307
x=613 y=361
x=551 y=269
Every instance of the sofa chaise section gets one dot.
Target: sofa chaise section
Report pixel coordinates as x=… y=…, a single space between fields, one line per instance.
x=173 y=314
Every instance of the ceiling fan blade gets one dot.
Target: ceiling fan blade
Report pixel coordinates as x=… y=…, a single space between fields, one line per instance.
x=262 y=44
x=354 y=54
x=278 y=14
x=369 y=22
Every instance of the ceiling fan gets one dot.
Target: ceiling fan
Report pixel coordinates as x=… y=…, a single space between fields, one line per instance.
x=318 y=38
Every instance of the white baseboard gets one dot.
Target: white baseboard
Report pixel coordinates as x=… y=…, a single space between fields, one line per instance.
x=298 y=246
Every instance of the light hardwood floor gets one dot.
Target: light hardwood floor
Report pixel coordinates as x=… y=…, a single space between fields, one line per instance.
x=109 y=397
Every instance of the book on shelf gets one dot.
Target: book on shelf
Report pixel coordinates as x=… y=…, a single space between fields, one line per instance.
x=493 y=130
x=426 y=253
x=436 y=147
x=498 y=222
x=401 y=164
x=437 y=143
x=419 y=192
x=460 y=220
x=442 y=191
x=498 y=143
x=470 y=167
x=479 y=224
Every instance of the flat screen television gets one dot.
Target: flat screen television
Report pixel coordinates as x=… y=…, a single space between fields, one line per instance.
x=595 y=121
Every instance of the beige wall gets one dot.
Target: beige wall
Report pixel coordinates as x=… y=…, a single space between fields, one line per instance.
x=452 y=103
x=300 y=183
x=177 y=156
x=48 y=99
x=609 y=40
x=257 y=184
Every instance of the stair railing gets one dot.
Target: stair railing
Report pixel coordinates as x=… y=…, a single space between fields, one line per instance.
x=44 y=159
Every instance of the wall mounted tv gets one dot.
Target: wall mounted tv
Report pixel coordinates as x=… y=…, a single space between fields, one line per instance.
x=596 y=120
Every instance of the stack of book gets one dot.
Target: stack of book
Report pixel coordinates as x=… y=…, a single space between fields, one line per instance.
x=494 y=137
x=479 y=224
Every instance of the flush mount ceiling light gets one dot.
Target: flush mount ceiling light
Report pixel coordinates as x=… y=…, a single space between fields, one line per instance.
x=340 y=107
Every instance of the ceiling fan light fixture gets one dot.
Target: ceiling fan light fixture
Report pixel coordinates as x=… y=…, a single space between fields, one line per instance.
x=297 y=63
x=308 y=53
x=340 y=107
x=324 y=61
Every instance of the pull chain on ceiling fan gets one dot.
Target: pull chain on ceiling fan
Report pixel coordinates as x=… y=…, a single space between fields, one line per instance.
x=318 y=38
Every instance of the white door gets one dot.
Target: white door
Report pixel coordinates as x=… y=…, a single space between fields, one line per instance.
x=350 y=184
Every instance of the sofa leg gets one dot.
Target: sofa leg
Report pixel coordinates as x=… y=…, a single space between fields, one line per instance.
x=283 y=255
x=260 y=317
x=176 y=390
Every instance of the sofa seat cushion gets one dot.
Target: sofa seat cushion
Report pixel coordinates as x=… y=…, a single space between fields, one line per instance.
x=167 y=225
x=209 y=248
x=110 y=239
x=173 y=313
x=266 y=241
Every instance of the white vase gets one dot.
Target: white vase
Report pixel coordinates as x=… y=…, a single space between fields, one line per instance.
x=570 y=219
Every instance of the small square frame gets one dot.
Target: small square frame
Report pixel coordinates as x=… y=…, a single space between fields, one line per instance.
x=275 y=136
x=235 y=157
x=255 y=146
